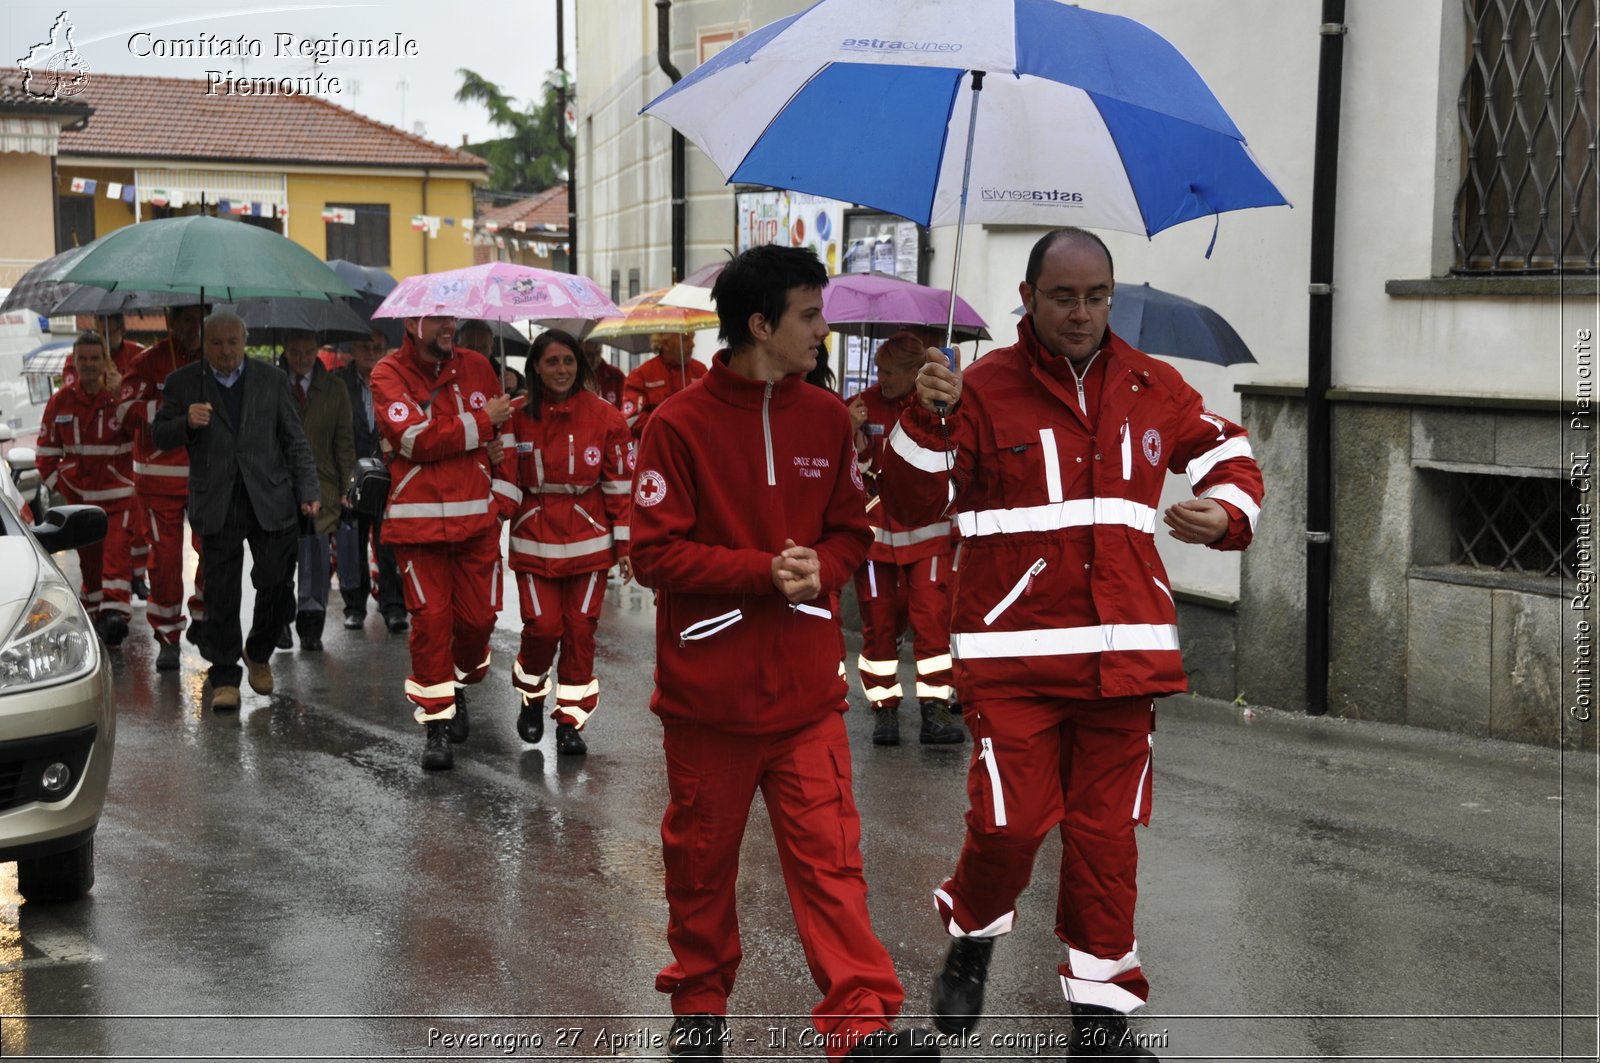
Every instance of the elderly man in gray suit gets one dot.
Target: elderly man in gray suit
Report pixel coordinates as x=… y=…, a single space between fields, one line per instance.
x=250 y=476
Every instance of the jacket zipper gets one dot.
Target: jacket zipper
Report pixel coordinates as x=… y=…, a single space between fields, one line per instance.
x=811 y=610
x=702 y=629
x=1127 y=452
x=996 y=795
x=1016 y=592
x=572 y=457
x=422 y=599
x=766 y=430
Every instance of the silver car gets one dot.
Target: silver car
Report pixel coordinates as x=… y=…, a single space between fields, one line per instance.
x=57 y=723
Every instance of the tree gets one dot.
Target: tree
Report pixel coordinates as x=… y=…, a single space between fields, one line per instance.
x=529 y=158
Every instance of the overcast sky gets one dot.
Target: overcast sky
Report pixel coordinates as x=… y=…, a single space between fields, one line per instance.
x=512 y=43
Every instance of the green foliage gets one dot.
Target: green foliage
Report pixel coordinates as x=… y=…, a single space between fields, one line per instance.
x=529 y=158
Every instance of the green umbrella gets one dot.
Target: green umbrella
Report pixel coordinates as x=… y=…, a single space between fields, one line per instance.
x=210 y=258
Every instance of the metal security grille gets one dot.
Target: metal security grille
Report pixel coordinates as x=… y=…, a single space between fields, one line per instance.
x=1513 y=524
x=1528 y=107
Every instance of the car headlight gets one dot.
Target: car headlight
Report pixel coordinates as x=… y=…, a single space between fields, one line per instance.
x=53 y=641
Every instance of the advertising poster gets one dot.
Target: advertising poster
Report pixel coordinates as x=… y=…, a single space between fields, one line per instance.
x=790 y=219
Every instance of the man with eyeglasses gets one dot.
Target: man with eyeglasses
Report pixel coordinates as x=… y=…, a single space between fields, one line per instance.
x=1064 y=628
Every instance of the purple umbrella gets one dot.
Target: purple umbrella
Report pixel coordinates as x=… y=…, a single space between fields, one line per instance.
x=498 y=291
x=881 y=303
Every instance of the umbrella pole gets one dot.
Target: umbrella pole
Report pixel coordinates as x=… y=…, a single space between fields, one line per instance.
x=961 y=218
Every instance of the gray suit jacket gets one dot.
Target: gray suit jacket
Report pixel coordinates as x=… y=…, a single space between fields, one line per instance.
x=267 y=449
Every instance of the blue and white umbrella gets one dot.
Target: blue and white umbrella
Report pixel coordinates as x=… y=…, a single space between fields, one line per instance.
x=1086 y=118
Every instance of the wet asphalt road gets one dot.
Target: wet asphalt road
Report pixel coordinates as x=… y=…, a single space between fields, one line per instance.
x=287 y=883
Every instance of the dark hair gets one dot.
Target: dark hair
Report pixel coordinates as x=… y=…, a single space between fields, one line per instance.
x=88 y=337
x=546 y=340
x=758 y=282
x=1049 y=240
x=822 y=373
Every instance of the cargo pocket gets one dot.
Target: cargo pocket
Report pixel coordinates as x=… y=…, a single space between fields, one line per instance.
x=1144 y=792
x=683 y=844
x=1016 y=592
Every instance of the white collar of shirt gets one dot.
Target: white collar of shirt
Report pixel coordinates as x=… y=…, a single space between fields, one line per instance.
x=229 y=379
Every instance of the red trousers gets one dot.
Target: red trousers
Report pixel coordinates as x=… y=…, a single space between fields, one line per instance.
x=107 y=587
x=1082 y=767
x=139 y=539
x=890 y=595
x=164 y=608
x=804 y=779
x=452 y=593
x=561 y=612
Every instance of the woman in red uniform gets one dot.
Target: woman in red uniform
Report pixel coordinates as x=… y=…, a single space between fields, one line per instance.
x=575 y=467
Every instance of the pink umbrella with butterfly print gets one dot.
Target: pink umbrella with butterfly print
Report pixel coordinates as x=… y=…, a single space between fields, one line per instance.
x=499 y=291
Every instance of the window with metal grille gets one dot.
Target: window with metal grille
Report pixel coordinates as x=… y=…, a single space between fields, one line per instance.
x=1513 y=524
x=366 y=243
x=1527 y=199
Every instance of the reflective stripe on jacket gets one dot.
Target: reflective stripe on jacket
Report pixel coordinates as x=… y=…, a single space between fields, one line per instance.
x=574 y=467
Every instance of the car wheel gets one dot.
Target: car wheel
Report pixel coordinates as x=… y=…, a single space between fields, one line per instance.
x=63 y=876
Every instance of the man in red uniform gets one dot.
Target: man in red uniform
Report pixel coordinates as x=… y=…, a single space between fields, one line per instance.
x=86 y=456
x=658 y=379
x=439 y=410
x=743 y=555
x=161 y=479
x=907 y=571
x=1064 y=627
x=606 y=379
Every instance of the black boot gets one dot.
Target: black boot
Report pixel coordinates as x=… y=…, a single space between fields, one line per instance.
x=886 y=726
x=697 y=1037
x=569 y=742
x=958 y=991
x=460 y=726
x=530 y=721
x=939 y=728
x=309 y=627
x=895 y=1044
x=1102 y=1033
x=436 y=754
x=285 y=640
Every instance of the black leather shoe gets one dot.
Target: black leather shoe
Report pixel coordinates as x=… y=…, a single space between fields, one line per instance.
x=895 y=1044
x=141 y=589
x=570 y=743
x=460 y=726
x=114 y=630
x=436 y=753
x=309 y=627
x=397 y=621
x=195 y=632
x=167 y=657
x=958 y=991
x=285 y=640
x=939 y=728
x=697 y=1036
x=354 y=621
x=530 y=721
x=1102 y=1033
x=886 y=726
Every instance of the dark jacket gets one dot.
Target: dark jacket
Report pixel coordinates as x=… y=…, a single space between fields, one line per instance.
x=368 y=439
x=267 y=449
x=328 y=424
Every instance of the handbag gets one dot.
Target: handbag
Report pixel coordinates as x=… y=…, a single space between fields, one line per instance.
x=369 y=488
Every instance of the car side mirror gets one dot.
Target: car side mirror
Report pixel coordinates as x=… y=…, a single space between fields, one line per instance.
x=24 y=469
x=70 y=528
x=6 y=434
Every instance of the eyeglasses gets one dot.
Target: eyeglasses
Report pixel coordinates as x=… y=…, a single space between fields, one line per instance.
x=1093 y=303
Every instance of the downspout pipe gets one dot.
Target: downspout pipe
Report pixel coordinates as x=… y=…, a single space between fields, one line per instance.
x=1319 y=367
x=564 y=139
x=679 y=153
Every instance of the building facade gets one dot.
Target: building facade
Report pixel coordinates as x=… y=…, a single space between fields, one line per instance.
x=1464 y=277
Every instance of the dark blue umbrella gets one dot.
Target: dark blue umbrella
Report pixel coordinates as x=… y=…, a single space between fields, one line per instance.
x=371 y=285
x=1159 y=322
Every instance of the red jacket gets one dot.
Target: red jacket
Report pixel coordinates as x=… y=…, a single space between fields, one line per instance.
x=652 y=384
x=85 y=451
x=1060 y=591
x=609 y=382
x=895 y=540
x=574 y=465
x=124 y=355
x=727 y=472
x=155 y=471
x=434 y=430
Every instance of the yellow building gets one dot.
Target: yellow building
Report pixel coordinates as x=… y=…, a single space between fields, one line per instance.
x=30 y=133
x=336 y=182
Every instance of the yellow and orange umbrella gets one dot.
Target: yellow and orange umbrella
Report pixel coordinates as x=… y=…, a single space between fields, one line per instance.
x=643 y=316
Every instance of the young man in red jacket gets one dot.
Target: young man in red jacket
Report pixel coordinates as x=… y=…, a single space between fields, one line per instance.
x=162 y=480
x=1064 y=629
x=747 y=513
x=907 y=574
x=86 y=456
x=440 y=409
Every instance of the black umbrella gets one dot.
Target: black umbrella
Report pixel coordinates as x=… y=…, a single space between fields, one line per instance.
x=371 y=285
x=272 y=315
x=1159 y=322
